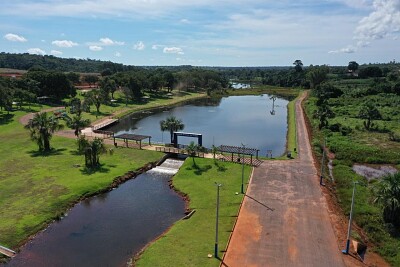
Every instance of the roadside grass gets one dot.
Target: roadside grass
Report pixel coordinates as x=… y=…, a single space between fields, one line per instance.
x=292 y=129
x=36 y=188
x=360 y=146
x=189 y=242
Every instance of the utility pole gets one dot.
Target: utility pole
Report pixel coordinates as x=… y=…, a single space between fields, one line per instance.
x=322 y=163
x=216 y=223
x=346 y=250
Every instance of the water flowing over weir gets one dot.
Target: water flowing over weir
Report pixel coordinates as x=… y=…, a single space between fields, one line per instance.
x=108 y=229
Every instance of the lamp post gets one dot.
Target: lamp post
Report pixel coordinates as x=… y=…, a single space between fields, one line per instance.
x=244 y=146
x=216 y=222
x=346 y=250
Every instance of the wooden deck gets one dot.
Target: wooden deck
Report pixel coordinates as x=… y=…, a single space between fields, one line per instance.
x=104 y=123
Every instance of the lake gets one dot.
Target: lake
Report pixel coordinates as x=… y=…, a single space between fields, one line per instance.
x=232 y=120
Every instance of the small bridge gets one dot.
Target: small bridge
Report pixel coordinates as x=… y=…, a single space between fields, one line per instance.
x=7 y=252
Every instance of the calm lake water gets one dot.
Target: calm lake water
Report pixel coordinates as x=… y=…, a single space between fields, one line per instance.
x=108 y=229
x=228 y=121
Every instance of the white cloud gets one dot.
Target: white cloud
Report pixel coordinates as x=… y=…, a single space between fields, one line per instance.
x=95 y=48
x=139 y=46
x=56 y=52
x=36 y=51
x=117 y=54
x=64 y=43
x=185 y=21
x=14 y=37
x=108 y=41
x=382 y=22
x=173 y=50
x=156 y=46
x=348 y=50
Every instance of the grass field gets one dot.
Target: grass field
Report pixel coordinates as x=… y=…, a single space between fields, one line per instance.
x=190 y=241
x=36 y=189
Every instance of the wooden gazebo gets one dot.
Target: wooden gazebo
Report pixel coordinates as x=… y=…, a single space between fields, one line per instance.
x=133 y=137
x=237 y=150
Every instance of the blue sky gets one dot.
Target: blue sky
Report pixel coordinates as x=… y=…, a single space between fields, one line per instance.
x=205 y=32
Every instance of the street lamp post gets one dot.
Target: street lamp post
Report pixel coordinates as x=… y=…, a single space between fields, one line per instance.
x=216 y=223
x=346 y=250
x=244 y=146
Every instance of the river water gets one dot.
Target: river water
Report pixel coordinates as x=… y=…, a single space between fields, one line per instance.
x=233 y=120
x=107 y=230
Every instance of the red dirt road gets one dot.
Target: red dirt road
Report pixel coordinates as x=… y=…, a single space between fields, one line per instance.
x=284 y=219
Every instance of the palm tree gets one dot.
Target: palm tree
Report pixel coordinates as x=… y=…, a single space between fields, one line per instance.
x=93 y=151
x=388 y=195
x=42 y=128
x=191 y=149
x=171 y=124
x=77 y=123
x=369 y=112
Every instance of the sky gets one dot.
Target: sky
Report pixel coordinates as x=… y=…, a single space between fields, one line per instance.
x=205 y=32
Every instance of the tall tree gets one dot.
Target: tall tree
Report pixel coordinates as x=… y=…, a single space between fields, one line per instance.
x=96 y=98
x=171 y=124
x=136 y=87
x=41 y=128
x=298 y=65
x=369 y=112
x=353 y=66
x=387 y=192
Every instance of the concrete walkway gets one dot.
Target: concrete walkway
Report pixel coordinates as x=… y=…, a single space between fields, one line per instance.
x=284 y=219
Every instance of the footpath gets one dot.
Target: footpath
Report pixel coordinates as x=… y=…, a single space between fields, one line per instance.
x=284 y=218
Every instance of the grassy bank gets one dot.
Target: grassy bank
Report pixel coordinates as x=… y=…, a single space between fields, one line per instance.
x=120 y=108
x=190 y=241
x=291 y=135
x=36 y=189
x=353 y=144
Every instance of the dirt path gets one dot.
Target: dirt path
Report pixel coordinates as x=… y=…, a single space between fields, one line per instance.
x=284 y=219
x=25 y=119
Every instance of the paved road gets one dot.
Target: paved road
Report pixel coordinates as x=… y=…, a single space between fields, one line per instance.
x=284 y=219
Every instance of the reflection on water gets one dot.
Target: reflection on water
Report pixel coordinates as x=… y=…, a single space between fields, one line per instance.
x=228 y=121
x=108 y=229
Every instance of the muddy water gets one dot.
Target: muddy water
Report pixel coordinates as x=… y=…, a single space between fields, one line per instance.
x=108 y=229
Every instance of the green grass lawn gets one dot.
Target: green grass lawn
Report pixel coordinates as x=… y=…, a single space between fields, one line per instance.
x=189 y=242
x=36 y=189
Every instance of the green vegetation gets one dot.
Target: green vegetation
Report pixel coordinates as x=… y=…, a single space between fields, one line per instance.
x=37 y=188
x=354 y=138
x=171 y=124
x=189 y=242
x=292 y=132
